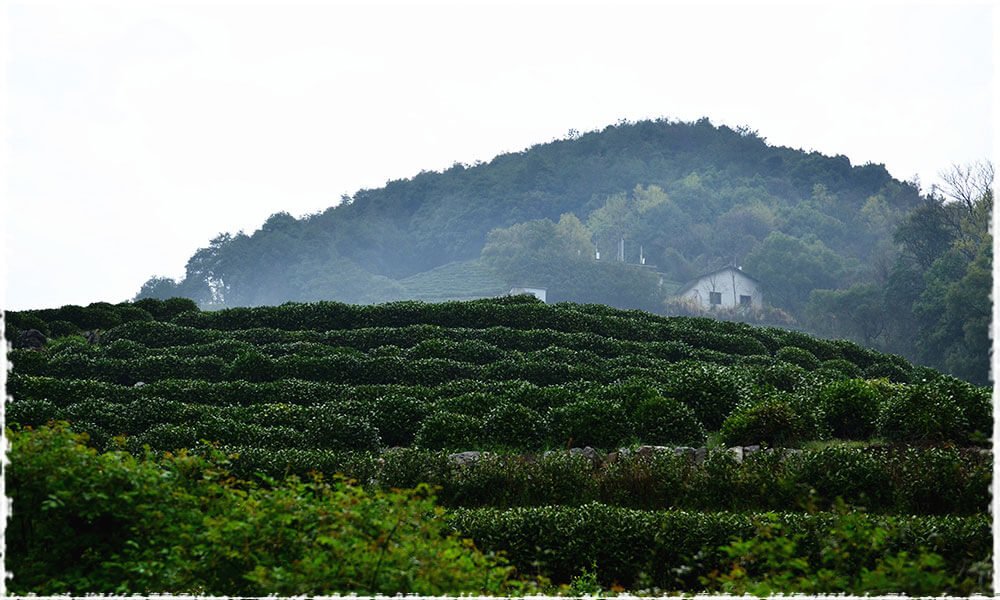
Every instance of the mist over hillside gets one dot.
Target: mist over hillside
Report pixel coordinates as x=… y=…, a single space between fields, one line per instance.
x=839 y=250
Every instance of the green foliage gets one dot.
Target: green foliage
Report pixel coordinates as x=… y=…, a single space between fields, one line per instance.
x=589 y=422
x=513 y=425
x=772 y=421
x=856 y=557
x=923 y=413
x=675 y=548
x=709 y=390
x=396 y=416
x=110 y=523
x=449 y=431
x=663 y=421
x=252 y=366
x=798 y=356
x=850 y=408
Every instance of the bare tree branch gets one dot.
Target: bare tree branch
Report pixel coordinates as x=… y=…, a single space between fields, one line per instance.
x=967 y=184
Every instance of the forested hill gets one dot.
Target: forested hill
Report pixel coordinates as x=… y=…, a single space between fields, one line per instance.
x=693 y=196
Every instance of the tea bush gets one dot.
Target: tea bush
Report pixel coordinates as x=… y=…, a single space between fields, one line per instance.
x=664 y=421
x=850 y=473
x=798 y=356
x=593 y=422
x=843 y=367
x=514 y=426
x=448 y=430
x=773 y=422
x=710 y=390
x=850 y=408
x=923 y=413
x=397 y=416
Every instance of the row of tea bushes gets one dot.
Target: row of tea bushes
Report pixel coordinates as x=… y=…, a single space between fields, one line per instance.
x=672 y=549
x=694 y=344
x=689 y=400
x=882 y=480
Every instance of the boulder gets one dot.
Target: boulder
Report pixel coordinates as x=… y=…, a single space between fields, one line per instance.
x=748 y=450
x=93 y=336
x=685 y=451
x=700 y=454
x=464 y=458
x=647 y=451
x=737 y=451
x=32 y=339
x=587 y=452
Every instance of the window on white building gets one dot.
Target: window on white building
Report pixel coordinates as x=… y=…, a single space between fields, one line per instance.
x=715 y=297
x=744 y=300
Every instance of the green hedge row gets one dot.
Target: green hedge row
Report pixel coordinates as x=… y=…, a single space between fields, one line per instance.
x=733 y=338
x=468 y=421
x=73 y=319
x=882 y=480
x=539 y=368
x=686 y=337
x=747 y=406
x=671 y=549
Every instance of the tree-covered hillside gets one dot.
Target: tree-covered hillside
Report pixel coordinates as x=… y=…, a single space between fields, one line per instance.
x=821 y=235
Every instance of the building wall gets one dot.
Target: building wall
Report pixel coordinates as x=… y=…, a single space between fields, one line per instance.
x=730 y=284
x=536 y=292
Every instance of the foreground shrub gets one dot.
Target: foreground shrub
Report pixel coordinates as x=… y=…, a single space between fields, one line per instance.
x=856 y=557
x=672 y=549
x=111 y=523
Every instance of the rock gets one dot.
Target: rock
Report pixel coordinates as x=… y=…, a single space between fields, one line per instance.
x=610 y=459
x=462 y=458
x=700 y=454
x=647 y=451
x=748 y=450
x=791 y=452
x=32 y=339
x=685 y=451
x=737 y=451
x=592 y=455
x=93 y=336
x=587 y=452
x=139 y=384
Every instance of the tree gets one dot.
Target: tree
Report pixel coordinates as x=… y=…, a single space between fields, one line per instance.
x=943 y=279
x=161 y=288
x=859 y=312
x=790 y=268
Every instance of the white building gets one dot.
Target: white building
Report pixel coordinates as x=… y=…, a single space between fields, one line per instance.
x=534 y=291
x=725 y=288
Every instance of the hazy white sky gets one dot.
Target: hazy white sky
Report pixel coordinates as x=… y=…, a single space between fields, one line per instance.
x=134 y=133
